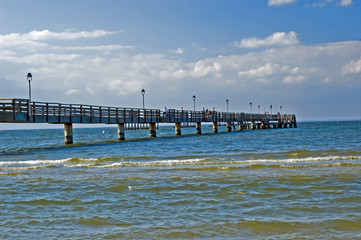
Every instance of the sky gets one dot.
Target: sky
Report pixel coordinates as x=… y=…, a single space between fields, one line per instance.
x=302 y=55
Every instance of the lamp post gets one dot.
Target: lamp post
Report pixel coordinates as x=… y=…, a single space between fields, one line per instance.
x=250 y=106
x=281 y=109
x=29 y=77
x=143 y=93
x=227 y=101
x=194 y=103
x=259 y=109
x=271 y=109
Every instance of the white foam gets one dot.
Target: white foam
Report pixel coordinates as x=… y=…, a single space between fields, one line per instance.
x=34 y=162
x=308 y=159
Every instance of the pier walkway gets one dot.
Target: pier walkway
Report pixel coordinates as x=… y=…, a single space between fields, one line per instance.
x=24 y=111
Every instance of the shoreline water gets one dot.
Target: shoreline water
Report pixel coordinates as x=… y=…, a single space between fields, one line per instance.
x=262 y=184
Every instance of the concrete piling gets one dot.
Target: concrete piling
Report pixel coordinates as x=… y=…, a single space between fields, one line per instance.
x=68 y=133
x=152 y=131
x=229 y=127
x=215 y=127
x=178 y=128
x=198 y=128
x=240 y=126
x=121 y=132
x=253 y=125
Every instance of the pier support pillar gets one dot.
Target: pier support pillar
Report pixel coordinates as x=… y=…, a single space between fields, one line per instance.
x=121 y=132
x=229 y=127
x=240 y=126
x=253 y=125
x=294 y=121
x=152 y=131
x=178 y=128
x=68 y=133
x=215 y=127
x=198 y=128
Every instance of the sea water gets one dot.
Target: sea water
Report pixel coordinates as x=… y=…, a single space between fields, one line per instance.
x=300 y=183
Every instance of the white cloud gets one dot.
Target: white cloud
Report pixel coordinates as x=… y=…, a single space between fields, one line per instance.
x=72 y=92
x=294 y=79
x=46 y=35
x=353 y=67
x=40 y=59
x=265 y=70
x=177 y=51
x=279 y=2
x=345 y=2
x=33 y=39
x=95 y=48
x=276 y=39
x=324 y=3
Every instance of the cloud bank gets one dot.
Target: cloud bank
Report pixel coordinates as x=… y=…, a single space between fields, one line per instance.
x=114 y=74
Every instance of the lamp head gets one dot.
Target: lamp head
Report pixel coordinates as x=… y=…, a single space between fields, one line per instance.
x=143 y=91
x=29 y=77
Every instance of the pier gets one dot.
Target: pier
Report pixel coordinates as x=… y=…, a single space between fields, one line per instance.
x=25 y=111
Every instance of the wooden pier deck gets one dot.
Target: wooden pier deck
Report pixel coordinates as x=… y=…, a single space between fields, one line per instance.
x=23 y=111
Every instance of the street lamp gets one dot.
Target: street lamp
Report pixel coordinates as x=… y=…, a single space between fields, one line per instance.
x=194 y=102
x=227 y=101
x=271 y=109
x=281 y=109
x=143 y=93
x=259 y=109
x=29 y=77
x=250 y=106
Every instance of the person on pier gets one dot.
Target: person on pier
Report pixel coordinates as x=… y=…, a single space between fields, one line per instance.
x=165 y=112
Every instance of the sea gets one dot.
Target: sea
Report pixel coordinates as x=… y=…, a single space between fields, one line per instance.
x=294 y=183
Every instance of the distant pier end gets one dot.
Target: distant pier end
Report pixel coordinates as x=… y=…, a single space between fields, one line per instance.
x=25 y=111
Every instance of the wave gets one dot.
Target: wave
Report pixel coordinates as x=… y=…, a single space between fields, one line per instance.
x=207 y=163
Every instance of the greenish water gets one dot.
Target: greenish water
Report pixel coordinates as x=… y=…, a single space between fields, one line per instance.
x=302 y=183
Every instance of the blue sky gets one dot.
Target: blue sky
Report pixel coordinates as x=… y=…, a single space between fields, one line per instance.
x=303 y=55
